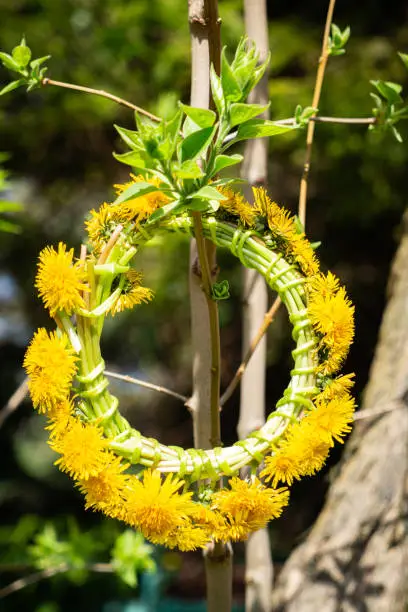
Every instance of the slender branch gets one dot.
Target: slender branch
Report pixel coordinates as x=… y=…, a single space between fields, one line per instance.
x=369 y=414
x=14 y=401
x=212 y=306
x=147 y=385
x=21 y=583
x=319 y=119
x=102 y=94
x=269 y=316
x=315 y=104
x=350 y=120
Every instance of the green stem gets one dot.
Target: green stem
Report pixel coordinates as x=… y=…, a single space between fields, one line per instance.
x=214 y=330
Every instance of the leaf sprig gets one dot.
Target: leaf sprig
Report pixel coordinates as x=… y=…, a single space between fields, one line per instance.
x=31 y=73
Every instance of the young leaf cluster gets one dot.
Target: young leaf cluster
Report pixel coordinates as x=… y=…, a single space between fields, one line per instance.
x=187 y=153
x=50 y=545
x=389 y=104
x=7 y=207
x=338 y=40
x=31 y=73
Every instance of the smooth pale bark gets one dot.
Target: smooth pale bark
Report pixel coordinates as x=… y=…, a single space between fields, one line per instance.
x=258 y=558
x=356 y=556
x=205 y=48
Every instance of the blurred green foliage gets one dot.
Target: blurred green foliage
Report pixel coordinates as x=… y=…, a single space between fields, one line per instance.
x=60 y=144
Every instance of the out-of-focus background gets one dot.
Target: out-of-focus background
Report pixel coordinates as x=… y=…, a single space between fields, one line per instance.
x=59 y=147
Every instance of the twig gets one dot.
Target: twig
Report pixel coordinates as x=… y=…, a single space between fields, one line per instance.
x=102 y=94
x=147 y=385
x=319 y=119
x=21 y=583
x=369 y=414
x=315 y=104
x=351 y=120
x=14 y=401
x=269 y=316
x=212 y=306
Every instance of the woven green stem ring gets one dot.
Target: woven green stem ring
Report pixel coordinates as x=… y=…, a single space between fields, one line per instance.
x=99 y=406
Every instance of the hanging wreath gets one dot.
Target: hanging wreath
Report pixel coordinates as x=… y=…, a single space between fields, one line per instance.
x=186 y=497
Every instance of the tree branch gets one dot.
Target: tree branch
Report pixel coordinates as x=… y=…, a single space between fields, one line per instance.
x=14 y=401
x=102 y=94
x=147 y=385
x=269 y=316
x=315 y=104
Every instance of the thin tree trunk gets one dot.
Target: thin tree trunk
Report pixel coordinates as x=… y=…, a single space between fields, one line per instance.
x=205 y=43
x=356 y=556
x=258 y=558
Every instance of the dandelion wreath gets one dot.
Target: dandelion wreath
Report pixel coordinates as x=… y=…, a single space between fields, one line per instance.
x=176 y=497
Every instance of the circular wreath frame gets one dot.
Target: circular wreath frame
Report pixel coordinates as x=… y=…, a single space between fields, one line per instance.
x=99 y=406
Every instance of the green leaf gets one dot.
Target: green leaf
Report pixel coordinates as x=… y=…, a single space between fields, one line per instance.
x=223 y=161
x=11 y=86
x=8 y=62
x=404 y=58
x=220 y=291
x=6 y=206
x=130 y=137
x=202 y=117
x=131 y=158
x=239 y=112
x=130 y=555
x=228 y=181
x=230 y=85
x=135 y=190
x=396 y=133
x=259 y=128
x=216 y=90
x=164 y=211
x=390 y=91
x=172 y=130
x=22 y=55
x=9 y=227
x=35 y=64
x=196 y=144
x=207 y=193
x=188 y=170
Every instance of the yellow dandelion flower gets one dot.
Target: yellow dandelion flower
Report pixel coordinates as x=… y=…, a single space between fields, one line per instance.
x=102 y=223
x=236 y=205
x=105 y=491
x=283 y=466
x=50 y=363
x=304 y=254
x=140 y=208
x=336 y=388
x=279 y=220
x=186 y=537
x=283 y=229
x=59 y=416
x=309 y=446
x=233 y=528
x=333 y=317
x=332 y=420
x=83 y=450
x=59 y=280
x=324 y=286
x=132 y=293
x=303 y=452
x=252 y=501
x=155 y=506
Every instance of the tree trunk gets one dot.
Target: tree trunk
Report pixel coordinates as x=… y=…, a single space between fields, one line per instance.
x=356 y=556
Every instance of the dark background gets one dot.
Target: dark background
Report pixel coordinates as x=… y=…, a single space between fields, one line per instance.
x=60 y=161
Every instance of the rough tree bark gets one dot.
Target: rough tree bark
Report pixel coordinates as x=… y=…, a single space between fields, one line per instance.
x=356 y=556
